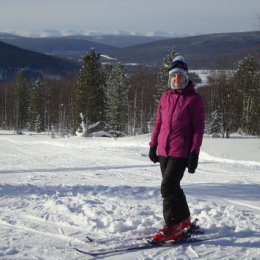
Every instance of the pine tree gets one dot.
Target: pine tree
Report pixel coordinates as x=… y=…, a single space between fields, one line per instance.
x=117 y=99
x=35 y=108
x=21 y=101
x=162 y=76
x=89 y=90
x=247 y=80
x=215 y=124
x=221 y=99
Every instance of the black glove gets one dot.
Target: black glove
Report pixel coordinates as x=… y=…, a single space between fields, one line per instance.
x=192 y=162
x=153 y=155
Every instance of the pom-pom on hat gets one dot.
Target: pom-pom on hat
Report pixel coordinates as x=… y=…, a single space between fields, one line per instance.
x=178 y=66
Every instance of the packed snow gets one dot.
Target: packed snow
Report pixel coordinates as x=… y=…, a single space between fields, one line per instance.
x=56 y=191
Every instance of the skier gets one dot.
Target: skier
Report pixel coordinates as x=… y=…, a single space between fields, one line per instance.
x=175 y=142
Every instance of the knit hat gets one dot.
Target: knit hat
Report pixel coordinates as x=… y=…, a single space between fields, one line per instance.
x=178 y=66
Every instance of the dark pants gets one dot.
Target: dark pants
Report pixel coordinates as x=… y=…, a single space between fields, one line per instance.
x=175 y=207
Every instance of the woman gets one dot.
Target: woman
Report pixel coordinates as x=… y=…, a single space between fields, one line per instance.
x=175 y=143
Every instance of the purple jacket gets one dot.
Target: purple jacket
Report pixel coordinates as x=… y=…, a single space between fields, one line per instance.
x=179 y=123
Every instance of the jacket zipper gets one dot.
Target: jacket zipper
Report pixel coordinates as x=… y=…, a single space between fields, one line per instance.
x=167 y=143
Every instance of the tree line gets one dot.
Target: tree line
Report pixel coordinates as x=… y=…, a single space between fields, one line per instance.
x=232 y=100
x=126 y=102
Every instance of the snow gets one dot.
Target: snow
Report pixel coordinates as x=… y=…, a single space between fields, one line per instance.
x=107 y=57
x=54 y=192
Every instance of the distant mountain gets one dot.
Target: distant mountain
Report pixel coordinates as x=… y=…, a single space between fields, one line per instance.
x=5 y=36
x=61 y=33
x=74 y=47
x=13 y=58
x=59 y=46
x=201 y=52
x=78 y=43
x=119 y=41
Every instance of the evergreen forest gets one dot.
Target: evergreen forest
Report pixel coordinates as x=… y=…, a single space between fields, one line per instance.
x=109 y=98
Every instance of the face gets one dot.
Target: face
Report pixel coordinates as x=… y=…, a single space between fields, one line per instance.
x=177 y=79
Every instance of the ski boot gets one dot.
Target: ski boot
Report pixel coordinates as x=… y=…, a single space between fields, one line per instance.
x=174 y=232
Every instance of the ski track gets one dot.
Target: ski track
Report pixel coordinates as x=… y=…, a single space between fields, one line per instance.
x=54 y=192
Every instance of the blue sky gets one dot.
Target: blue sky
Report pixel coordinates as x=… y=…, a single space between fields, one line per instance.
x=175 y=16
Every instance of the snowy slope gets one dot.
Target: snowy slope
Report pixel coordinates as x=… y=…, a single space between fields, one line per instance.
x=53 y=192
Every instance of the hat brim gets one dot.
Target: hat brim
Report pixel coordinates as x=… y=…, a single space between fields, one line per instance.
x=178 y=70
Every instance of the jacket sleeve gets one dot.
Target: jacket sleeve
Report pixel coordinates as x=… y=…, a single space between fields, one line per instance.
x=157 y=127
x=198 y=124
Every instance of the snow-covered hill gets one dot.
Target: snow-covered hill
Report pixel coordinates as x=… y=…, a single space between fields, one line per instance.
x=54 y=192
